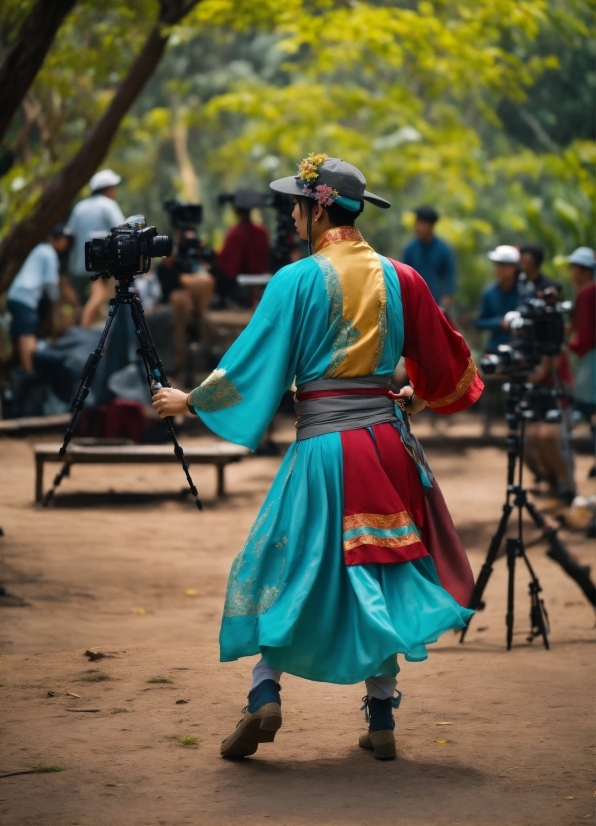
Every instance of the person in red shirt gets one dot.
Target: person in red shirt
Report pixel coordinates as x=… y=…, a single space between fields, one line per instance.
x=245 y=249
x=583 y=342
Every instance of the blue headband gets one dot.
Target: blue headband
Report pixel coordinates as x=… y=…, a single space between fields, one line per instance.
x=348 y=203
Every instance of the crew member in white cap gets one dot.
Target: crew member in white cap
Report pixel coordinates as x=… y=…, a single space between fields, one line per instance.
x=93 y=217
x=501 y=297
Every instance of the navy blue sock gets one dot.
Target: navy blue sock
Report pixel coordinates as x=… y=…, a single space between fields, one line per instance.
x=265 y=692
x=381 y=715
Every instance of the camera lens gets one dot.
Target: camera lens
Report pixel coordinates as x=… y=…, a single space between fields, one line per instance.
x=161 y=246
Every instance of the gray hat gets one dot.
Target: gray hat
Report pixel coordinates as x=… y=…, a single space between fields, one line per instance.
x=334 y=176
x=583 y=256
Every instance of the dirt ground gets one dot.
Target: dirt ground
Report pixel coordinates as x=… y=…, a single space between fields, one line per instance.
x=141 y=578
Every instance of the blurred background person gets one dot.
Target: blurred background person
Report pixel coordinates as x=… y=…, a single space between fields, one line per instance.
x=583 y=326
x=38 y=276
x=245 y=249
x=93 y=217
x=530 y=263
x=187 y=287
x=431 y=256
x=500 y=297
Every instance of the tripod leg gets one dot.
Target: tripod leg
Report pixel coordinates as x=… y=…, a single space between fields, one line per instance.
x=487 y=569
x=538 y=615
x=78 y=402
x=156 y=377
x=512 y=551
x=559 y=553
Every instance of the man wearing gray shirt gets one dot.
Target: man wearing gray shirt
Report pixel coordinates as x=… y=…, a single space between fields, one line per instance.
x=91 y=218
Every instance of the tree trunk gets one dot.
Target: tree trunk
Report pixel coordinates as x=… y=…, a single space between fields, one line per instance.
x=57 y=198
x=27 y=53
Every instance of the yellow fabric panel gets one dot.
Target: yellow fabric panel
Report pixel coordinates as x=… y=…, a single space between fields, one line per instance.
x=364 y=303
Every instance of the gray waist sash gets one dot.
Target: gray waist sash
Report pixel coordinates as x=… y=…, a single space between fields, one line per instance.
x=330 y=414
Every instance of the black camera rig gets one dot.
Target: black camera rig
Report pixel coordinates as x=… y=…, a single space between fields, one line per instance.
x=123 y=254
x=127 y=250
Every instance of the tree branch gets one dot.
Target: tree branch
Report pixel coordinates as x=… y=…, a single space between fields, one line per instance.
x=55 y=201
x=26 y=55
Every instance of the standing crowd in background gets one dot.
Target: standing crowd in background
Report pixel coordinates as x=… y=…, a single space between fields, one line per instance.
x=179 y=290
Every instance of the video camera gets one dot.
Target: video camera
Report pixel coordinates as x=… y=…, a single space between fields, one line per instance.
x=190 y=252
x=127 y=251
x=538 y=329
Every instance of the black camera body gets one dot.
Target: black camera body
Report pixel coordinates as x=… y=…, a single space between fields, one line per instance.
x=127 y=251
x=538 y=329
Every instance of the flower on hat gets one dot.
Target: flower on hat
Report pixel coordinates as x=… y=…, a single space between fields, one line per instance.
x=322 y=193
x=308 y=168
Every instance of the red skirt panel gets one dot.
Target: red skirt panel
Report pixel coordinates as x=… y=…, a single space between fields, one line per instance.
x=390 y=517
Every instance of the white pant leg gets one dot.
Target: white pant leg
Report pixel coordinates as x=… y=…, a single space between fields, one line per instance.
x=381 y=687
x=262 y=672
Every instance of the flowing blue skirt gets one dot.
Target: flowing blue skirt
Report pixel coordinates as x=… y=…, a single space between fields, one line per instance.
x=292 y=598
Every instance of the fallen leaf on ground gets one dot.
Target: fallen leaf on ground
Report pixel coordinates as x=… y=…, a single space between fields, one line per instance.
x=191 y=592
x=569 y=797
x=441 y=742
x=140 y=611
x=72 y=694
x=443 y=724
x=181 y=702
x=91 y=710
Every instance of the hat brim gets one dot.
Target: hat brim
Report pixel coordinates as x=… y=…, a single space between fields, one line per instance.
x=290 y=186
x=496 y=258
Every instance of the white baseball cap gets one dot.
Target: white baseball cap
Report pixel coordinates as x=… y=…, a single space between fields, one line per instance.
x=504 y=255
x=584 y=256
x=103 y=179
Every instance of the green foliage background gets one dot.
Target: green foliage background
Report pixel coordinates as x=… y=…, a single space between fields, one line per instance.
x=484 y=108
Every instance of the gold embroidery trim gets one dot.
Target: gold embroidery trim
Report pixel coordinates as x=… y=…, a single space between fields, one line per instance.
x=331 y=236
x=382 y=541
x=377 y=520
x=217 y=392
x=463 y=386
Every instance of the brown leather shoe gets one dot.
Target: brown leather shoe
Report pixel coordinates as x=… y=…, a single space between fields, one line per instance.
x=381 y=743
x=260 y=726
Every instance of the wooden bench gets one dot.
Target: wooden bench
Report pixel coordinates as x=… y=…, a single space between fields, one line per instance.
x=33 y=424
x=219 y=454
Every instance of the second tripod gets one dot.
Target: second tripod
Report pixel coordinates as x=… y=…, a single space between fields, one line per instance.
x=517 y=497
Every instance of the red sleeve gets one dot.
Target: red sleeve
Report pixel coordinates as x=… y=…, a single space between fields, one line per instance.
x=584 y=321
x=229 y=259
x=438 y=360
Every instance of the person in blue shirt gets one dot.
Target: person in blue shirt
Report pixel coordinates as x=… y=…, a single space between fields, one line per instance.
x=38 y=275
x=500 y=298
x=431 y=256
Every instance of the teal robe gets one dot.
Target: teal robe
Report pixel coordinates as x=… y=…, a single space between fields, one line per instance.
x=290 y=596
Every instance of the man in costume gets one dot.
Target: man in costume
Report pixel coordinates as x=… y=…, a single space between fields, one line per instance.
x=353 y=558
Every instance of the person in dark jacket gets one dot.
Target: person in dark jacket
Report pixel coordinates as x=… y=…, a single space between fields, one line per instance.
x=499 y=298
x=431 y=256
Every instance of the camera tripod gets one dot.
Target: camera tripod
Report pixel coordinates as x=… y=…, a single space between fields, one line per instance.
x=156 y=377
x=517 y=497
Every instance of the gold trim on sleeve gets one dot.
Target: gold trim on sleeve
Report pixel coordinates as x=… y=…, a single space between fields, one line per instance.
x=216 y=393
x=462 y=388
